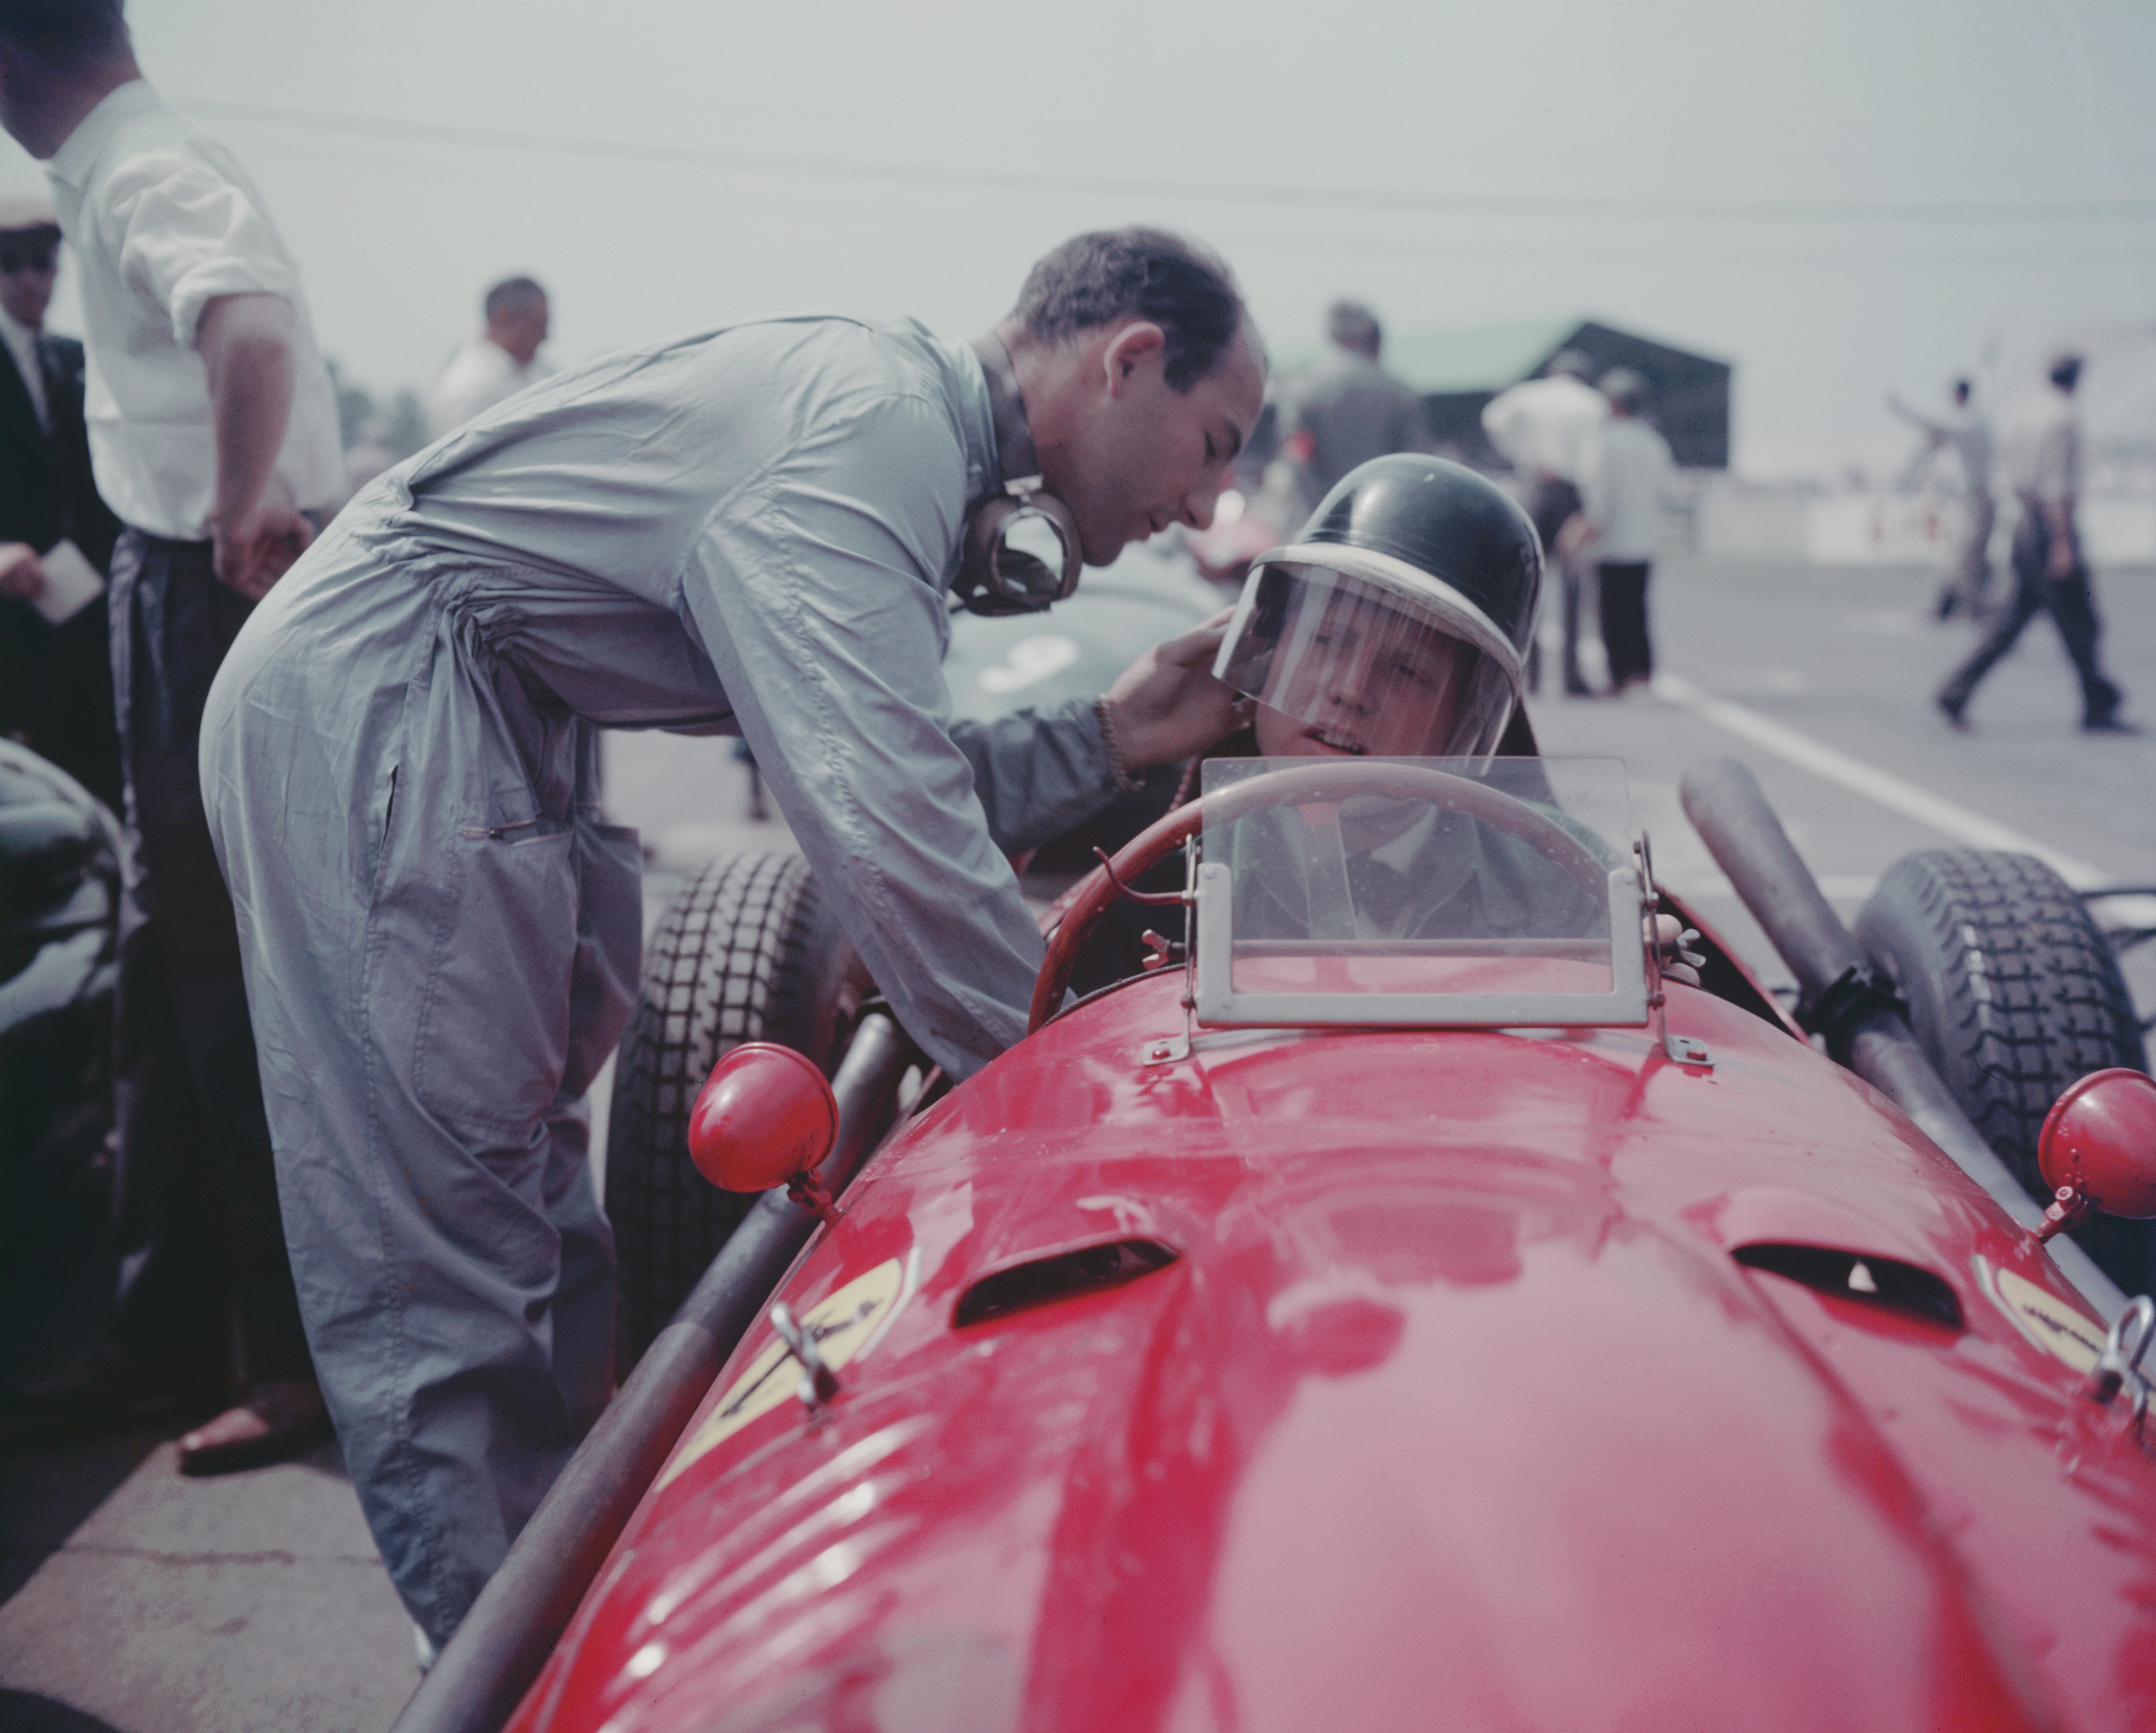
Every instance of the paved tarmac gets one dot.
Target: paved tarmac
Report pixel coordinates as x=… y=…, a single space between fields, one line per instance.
x=131 y=1599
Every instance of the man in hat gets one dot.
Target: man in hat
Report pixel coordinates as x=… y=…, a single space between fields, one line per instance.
x=1547 y=428
x=212 y=430
x=55 y=672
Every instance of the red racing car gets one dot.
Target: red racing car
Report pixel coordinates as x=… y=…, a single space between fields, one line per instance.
x=1399 y=1308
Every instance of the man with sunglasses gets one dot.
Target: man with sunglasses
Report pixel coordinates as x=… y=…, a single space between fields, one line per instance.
x=55 y=672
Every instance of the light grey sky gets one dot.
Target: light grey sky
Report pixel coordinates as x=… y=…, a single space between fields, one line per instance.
x=1842 y=103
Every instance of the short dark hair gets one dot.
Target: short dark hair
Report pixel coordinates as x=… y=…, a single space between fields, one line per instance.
x=1093 y=280
x=1354 y=325
x=2065 y=371
x=1961 y=387
x=511 y=294
x=66 y=35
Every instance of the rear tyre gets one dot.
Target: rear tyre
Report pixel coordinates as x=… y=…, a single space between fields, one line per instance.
x=2014 y=994
x=749 y=950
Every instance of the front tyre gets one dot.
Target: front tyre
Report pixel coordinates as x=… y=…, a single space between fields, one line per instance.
x=747 y=950
x=2012 y=994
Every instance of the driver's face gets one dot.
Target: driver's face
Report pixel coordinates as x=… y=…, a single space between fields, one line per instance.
x=1368 y=681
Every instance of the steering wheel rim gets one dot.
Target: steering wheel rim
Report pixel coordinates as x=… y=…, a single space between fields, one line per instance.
x=1327 y=780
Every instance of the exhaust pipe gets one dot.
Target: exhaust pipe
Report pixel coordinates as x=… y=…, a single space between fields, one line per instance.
x=1866 y=1027
x=485 y=1669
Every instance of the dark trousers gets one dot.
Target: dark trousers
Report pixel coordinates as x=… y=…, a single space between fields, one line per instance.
x=1552 y=504
x=2069 y=603
x=1624 y=597
x=200 y=1238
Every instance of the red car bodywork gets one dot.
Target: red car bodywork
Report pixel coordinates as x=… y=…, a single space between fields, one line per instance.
x=1456 y=1408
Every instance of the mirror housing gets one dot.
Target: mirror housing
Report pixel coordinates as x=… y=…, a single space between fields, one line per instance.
x=2098 y=1149
x=765 y=1117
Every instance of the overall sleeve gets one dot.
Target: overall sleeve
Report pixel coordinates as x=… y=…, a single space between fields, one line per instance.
x=815 y=589
x=1038 y=773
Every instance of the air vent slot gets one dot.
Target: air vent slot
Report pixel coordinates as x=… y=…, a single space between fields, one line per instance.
x=1860 y=1276
x=1064 y=1276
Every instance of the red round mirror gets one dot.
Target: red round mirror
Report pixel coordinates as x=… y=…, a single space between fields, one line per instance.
x=765 y=1115
x=2100 y=1139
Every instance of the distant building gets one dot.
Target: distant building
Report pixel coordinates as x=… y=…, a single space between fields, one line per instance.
x=1458 y=371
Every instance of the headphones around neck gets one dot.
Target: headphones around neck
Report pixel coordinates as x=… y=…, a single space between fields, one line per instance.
x=1022 y=550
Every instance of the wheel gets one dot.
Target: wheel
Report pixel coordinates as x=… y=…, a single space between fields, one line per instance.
x=749 y=950
x=2012 y=994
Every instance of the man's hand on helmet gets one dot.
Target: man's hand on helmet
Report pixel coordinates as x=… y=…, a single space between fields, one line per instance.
x=1167 y=705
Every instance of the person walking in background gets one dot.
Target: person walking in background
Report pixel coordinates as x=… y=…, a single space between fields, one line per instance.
x=55 y=669
x=1624 y=485
x=1349 y=409
x=1545 y=428
x=497 y=363
x=212 y=425
x=1967 y=430
x=2042 y=464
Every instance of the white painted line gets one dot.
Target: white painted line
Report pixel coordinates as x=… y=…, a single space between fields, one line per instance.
x=1897 y=793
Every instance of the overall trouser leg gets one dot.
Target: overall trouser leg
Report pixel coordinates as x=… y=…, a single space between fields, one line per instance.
x=200 y=1235
x=2028 y=600
x=442 y=945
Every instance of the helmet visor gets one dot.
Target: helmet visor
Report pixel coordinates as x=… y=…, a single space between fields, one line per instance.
x=1352 y=665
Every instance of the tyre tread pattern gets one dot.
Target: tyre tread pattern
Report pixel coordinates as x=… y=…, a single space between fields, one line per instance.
x=714 y=971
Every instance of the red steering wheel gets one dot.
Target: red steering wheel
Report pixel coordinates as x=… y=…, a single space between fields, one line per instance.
x=1327 y=780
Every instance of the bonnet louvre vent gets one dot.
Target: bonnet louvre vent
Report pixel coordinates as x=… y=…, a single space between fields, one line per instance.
x=1064 y=1276
x=1881 y=1282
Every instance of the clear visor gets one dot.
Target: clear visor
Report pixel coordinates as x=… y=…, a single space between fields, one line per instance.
x=1349 y=665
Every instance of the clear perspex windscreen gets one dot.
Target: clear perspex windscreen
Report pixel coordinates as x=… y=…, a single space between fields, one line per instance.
x=1435 y=891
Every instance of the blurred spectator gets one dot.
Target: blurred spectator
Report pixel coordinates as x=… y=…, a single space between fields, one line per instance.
x=55 y=674
x=213 y=432
x=1349 y=409
x=1547 y=428
x=499 y=362
x=370 y=454
x=2042 y=463
x=1967 y=430
x=1624 y=488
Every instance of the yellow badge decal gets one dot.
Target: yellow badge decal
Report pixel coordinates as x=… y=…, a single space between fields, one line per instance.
x=2053 y=1325
x=841 y=1325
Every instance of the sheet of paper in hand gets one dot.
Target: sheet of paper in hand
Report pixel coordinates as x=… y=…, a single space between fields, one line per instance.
x=71 y=583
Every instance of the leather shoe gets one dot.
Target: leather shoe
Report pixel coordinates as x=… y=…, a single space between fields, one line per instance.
x=1952 y=708
x=275 y=1421
x=2110 y=722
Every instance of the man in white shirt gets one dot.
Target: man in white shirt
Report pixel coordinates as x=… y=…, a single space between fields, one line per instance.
x=1620 y=527
x=2041 y=461
x=1545 y=428
x=1966 y=430
x=497 y=363
x=213 y=430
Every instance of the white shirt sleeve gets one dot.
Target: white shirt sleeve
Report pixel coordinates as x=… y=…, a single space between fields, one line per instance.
x=188 y=235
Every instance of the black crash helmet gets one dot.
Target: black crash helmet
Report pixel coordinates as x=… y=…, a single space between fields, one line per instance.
x=1412 y=588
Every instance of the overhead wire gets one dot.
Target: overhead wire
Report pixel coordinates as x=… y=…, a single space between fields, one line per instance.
x=1369 y=199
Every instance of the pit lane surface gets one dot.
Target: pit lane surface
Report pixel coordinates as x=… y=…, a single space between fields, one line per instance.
x=137 y=1601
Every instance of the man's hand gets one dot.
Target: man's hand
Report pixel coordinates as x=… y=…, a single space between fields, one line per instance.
x=2059 y=561
x=22 y=573
x=253 y=552
x=1167 y=705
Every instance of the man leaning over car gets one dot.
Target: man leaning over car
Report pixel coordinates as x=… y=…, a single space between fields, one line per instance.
x=748 y=530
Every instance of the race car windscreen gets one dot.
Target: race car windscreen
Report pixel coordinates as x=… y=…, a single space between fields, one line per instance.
x=1426 y=876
